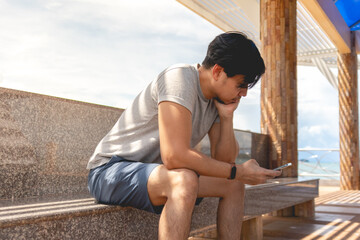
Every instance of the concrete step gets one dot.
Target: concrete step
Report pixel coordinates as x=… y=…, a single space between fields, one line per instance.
x=75 y=219
x=79 y=217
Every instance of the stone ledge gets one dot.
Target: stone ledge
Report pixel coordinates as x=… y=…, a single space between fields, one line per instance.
x=49 y=214
x=28 y=218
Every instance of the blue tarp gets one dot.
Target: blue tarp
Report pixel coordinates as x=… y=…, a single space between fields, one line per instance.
x=350 y=11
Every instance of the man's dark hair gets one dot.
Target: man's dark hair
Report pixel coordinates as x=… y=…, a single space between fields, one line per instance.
x=237 y=55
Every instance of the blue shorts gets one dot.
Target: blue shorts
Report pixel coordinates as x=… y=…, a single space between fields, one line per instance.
x=122 y=182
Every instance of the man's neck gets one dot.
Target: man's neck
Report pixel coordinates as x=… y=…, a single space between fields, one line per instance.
x=205 y=81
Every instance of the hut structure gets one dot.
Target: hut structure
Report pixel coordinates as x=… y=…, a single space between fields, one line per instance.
x=43 y=155
x=289 y=33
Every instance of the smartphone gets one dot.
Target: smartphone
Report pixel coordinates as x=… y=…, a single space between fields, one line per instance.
x=283 y=166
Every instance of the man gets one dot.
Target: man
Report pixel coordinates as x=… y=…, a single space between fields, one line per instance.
x=148 y=160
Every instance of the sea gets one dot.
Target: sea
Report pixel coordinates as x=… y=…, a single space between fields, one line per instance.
x=319 y=163
x=312 y=163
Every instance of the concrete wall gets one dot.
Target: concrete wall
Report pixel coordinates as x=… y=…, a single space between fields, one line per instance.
x=45 y=143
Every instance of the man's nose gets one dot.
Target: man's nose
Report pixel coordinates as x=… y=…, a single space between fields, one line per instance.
x=243 y=92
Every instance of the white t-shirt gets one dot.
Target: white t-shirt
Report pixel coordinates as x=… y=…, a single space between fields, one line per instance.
x=135 y=136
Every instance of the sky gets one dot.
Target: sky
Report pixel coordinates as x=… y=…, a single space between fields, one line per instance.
x=106 y=52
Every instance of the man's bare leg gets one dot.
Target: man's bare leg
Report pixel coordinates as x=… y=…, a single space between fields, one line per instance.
x=177 y=189
x=231 y=205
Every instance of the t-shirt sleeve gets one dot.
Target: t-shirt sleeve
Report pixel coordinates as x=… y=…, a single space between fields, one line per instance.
x=178 y=85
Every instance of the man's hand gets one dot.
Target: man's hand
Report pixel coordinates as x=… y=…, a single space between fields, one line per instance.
x=251 y=173
x=226 y=110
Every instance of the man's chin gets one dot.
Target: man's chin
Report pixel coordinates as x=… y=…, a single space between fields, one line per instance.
x=219 y=100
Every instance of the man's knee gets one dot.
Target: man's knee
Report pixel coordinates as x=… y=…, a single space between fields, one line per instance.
x=236 y=189
x=185 y=184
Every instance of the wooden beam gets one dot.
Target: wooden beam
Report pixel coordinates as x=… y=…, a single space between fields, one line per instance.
x=328 y=17
x=201 y=10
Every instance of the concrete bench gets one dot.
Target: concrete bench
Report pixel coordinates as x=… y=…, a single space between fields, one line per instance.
x=79 y=217
x=45 y=143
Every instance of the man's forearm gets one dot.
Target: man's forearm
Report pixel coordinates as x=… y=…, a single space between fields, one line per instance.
x=226 y=148
x=200 y=163
x=249 y=172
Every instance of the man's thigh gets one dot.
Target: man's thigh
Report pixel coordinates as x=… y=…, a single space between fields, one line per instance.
x=160 y=181
x=163 y=182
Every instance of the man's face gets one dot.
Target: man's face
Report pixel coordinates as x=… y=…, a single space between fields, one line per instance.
x=231 y=89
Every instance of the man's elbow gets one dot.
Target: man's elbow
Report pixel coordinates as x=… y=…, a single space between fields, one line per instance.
x=172 y=160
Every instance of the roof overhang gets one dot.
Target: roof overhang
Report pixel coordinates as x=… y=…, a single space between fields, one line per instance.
x=244 y=15
x=328 y=17
x=321 y=30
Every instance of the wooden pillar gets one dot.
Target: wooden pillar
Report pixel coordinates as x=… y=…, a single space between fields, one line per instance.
x=278 y=84
x=306 y=209
x=252 y=229
x=349 y=125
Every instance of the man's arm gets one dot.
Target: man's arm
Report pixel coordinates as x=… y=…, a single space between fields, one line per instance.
x=175 y=136
x=175 y=128
x=224 y=146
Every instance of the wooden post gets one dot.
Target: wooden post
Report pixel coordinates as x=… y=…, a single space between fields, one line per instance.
x=306 y=209
x=349 y=125
x=252 y=229
x=279 y=85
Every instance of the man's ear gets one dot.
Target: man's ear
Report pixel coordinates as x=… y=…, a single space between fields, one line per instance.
x=216 y=71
